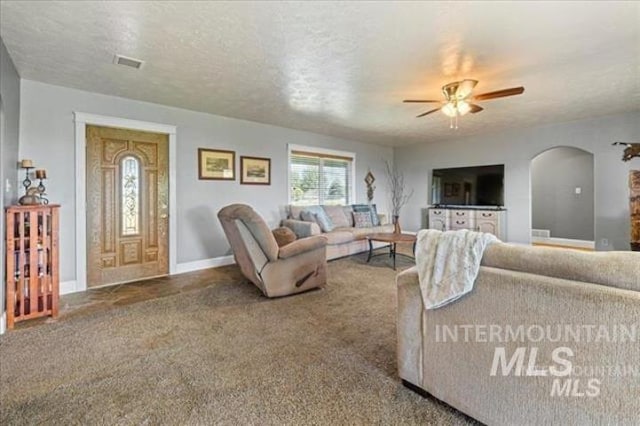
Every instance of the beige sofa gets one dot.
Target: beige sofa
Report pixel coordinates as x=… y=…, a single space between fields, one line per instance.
x=530 y=286
x=343 y=240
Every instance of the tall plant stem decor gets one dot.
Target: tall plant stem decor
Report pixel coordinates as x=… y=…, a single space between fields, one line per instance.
x=399 y=195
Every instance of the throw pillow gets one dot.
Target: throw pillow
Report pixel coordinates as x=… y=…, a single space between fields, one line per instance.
x=294 y=212
x=283 y=236
x=307 y=216
x=321 y=218
x=369 y=209
x=362 y=219
x=374 y=215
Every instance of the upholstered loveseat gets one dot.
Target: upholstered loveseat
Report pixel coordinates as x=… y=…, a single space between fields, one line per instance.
x=343 y=237
x=485 y=353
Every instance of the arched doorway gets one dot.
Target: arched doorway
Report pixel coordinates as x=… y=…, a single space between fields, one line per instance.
x=562 y=198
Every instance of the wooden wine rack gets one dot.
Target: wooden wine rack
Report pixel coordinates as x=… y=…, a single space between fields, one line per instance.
x=32 y=262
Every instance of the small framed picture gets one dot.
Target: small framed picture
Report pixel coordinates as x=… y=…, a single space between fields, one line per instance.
x=255 y=171
x=215 y=164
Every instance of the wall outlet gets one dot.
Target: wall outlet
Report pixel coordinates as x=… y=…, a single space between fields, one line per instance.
x=7 y=186
x=604 y=242
x=578 y=190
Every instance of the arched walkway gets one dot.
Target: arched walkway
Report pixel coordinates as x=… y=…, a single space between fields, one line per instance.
x=562 y=198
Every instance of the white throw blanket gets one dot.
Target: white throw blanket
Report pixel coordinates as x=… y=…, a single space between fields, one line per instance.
x=448 y=263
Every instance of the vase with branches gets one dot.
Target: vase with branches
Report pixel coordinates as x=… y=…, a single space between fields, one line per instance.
x=398 y=193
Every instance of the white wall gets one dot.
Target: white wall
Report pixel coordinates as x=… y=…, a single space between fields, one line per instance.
x=9 y=138
x=516 y=149
x=47 y=136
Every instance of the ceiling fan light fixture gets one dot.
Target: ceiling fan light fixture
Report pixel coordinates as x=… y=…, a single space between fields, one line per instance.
x=463 y=107
x=460 y=100
x=449 y=109
x=456 y=108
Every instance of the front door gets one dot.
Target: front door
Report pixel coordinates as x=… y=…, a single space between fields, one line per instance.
x=127 y=205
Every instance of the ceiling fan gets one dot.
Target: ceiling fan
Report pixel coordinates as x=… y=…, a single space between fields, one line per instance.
x=459 y=99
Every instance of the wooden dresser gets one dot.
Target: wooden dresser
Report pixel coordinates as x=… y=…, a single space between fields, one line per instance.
x=32 y=262
x=492 y=221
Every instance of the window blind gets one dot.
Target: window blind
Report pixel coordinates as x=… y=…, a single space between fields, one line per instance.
x=320 y=179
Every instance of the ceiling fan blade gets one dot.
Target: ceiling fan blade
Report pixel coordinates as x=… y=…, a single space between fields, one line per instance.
x=475 y=108
x=421 y=101
x=427 y=113
x=499 y=94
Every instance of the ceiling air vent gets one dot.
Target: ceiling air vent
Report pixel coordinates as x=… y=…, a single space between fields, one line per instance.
x=128 y=62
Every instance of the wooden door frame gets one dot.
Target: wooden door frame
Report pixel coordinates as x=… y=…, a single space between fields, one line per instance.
x=81 y=121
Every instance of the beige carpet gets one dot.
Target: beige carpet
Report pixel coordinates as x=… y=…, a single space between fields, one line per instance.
x=222 y=355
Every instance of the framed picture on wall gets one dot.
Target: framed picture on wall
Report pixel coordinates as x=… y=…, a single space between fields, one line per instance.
x=255 y=171
x=215 y=164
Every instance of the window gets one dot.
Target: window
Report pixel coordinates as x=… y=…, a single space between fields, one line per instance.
x=130 y=203
x=319 y=177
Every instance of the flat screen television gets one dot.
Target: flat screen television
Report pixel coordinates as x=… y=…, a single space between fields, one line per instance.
x=468 y=186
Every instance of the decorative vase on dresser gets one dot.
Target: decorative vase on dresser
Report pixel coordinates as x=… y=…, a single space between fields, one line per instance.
x=31 y=262
x=488 y=220
x=634 y=206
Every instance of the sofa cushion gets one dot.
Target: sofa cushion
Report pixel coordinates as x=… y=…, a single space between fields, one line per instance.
x=339 y=237
x=362 y=219
x=337 y=216
x=348 y=213
x=360 y=233
x=614 y=269
x=284 y=236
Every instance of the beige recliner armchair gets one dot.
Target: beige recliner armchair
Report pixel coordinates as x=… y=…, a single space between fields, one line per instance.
x=277 y=271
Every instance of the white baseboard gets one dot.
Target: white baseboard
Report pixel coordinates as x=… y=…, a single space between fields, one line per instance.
x=67 y=287
x=197 y=265
x=3 y=322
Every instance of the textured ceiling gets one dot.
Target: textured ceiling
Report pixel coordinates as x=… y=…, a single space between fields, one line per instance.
x=340 y=68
